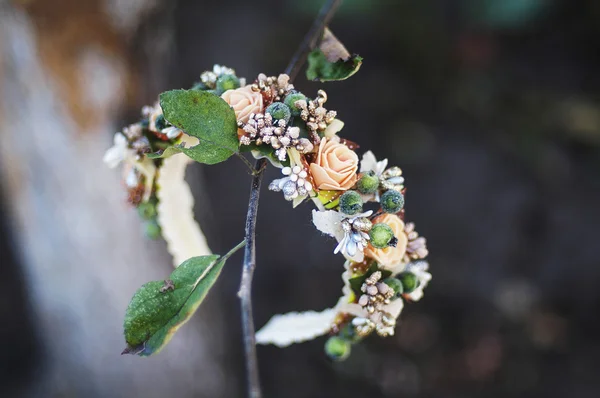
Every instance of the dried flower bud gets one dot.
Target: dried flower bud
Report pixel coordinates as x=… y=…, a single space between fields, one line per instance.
x=279 y=111
x=392 y=201
x=337 y=348
x=368 y=183
x=351 y=203
x=381 y=235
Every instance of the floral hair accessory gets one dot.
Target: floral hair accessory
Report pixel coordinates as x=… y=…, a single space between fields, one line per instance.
x=359 y=203
x=385 y=264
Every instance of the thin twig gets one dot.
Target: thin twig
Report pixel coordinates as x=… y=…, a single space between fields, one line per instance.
x=245 y=292
x=312 y=37
x=246 y=162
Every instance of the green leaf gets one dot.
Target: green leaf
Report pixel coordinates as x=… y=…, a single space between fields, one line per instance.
x=265 y=151
x=167 y=152
x=159 y=308
x=205 y=116
x=331 y=61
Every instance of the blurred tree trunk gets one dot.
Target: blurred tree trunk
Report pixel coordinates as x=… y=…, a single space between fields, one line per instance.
x=64 y=74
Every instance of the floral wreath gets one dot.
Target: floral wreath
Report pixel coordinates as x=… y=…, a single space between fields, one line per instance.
x=359 y=203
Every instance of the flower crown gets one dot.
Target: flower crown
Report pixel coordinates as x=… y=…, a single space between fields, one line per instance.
x=359 y=203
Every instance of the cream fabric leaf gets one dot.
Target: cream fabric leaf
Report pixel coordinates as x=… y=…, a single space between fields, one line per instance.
x=180 y=230
x=329 y=222
x=296 y=327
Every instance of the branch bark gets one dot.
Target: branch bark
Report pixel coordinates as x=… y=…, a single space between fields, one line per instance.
x=245 y=291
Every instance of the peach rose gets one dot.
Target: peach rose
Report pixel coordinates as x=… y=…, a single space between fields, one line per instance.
x=335 y=166
x=244 y=101
x=390 y=256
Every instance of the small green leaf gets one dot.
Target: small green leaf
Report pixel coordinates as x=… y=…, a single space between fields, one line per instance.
x=205 y=116
x=331 y=61
x=167 y=152
x=159 y=308
x=265 y=151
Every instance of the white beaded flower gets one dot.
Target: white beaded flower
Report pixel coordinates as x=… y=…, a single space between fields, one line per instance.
x=210 y=77
x=263 y=129
x=350 y=231
x=294 y=185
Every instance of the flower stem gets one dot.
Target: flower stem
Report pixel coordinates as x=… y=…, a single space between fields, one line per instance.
x=312 y=37
x=245 y=292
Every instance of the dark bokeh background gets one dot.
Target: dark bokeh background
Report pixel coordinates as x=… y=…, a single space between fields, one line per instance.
x=492 y=110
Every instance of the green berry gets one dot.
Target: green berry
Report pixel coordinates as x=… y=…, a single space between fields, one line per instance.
x=392 y=201
x=279 y=111
x=409 y=281
x=396 y=285
x=368 y=183
x=351 y=203
x=291 y=99
x=147 y=210
x=381 y=235
x=152 y=230
x=227 y=82
x=337 y=348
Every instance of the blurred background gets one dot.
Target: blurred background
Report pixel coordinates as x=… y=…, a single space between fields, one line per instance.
x=491 y=107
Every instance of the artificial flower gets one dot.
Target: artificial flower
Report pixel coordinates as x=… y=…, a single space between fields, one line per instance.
x=335 y=166
x=120 y=152
x=244 y=102
x=390 y=256
x=352 y=240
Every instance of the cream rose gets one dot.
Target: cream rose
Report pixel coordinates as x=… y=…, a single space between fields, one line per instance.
x=244 y=101
x=335 y=166
x=390 y=256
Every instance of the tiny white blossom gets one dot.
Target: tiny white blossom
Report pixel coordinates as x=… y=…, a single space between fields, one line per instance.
x=351 y=242
x=370 y=163
x=120 y=152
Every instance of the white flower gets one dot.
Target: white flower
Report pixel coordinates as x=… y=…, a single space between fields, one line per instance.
x=210 y=77
x=142 y=166
x=370 y=163
x=120 y=152
x=294 y=185
x=222 y=70
x=352 y=242
x=419 y=268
